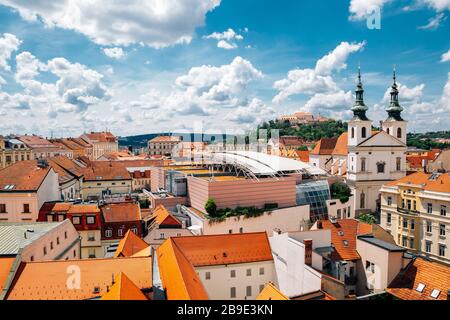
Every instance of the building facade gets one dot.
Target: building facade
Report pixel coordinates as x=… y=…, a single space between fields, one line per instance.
x=101 y=142
x=163 y=145
x=416 y=210
x=12 y=151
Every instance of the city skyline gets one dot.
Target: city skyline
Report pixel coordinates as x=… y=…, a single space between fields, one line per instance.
x=229 y=66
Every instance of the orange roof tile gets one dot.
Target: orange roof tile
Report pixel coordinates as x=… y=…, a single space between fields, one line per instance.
x=6 y=264
x=325 y=146
x=105 y=172
x=440 y=184
x=130 y=245
x=270 y=292
x=163 y=217
x=83 y=209
x=100 y=137
x=178 y=276
x=225 y=249
x=433 y=275
x=23 y=175
x=341 y=147
x=48 y=280
x=119 y=212
x=124 y=289
x=166 y=139
x=343 y=237
x=302 y=155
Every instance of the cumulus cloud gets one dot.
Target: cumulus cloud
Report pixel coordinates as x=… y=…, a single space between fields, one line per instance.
x=361 y=9
x=329 y=103
x=438 y=5
x=406 y=94
x=253 y=113
x=227 y=39
x=114 y=53
x=156 y=23
x=446 y=56
x=319 y=79
x=8 y=44
x=434 y=22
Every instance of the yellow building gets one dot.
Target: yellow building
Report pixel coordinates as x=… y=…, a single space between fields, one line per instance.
x=12 y=151
x=416 y=211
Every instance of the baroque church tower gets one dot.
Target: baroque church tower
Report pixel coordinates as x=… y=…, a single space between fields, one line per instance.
x=374 y=157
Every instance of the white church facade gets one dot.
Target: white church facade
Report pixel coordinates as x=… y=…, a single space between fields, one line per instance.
x=374 y=157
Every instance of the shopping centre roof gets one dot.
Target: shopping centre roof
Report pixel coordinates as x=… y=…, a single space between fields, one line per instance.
x=264 y=164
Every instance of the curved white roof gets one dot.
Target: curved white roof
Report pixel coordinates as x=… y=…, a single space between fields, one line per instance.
x=264 y=164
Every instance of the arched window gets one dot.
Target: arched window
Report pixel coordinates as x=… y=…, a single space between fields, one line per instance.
x=353 y=132
x=362 y=200
x=399 y=133
x=363 y=132
x=380 y=167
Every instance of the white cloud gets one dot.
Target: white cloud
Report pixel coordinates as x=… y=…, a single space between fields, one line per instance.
x=8 y=44
x=434 y=22
x=253 y=113
x=114 y=53
x=446 y=56
x=325 y=103
x=227 y=39
x=225 y=45
x=156 y=23
x=318 y=80
x=406 y=94
x=360 y=9
x=438 y=5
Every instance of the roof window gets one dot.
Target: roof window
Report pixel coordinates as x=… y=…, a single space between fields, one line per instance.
x=420 y=287
x=435 y=293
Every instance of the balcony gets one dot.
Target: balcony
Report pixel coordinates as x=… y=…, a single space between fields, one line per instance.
x=350 y=280
x=408 y=211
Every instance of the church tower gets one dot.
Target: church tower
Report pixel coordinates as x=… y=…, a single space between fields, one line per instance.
x=394 y=125
x=359 y=127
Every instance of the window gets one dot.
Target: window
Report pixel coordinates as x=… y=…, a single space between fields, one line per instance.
x=32 y=258
x=428 y=246
x=399 y=133
x=65 y=234
x=108 y=233
x=248 y=291
x=362 y=201
x=429 y=208
x=60 y=217
x=161 y=235
x=249 y=272
x=208 y=275
x=230 y=231
x=412 y=224
x=51 y=245
x=91 y=236
x=380 y=167
x=348 y=212
x=370 y=266
x=233 y=292
x=353 y=132
x=442 y=229
x=414 y=205
x=435 y=293
x=45 y=251
x=261 y=271
x=420 y=287
x=403 y=203
x=408 y=204
x=90 y=219
x=429 y=227
x=442 y=250
x=339 y=213
x=405 y=223
x=411 y=243
x=120 y=232
x=389 y=201
x=389 y=218
x=26 y=208
x=74 y=253
x=233 y=274
x=363 y=164
x=388 y=130
x=404 y=241
x=399 y=164
x=443 y=211
x=91 y=253
x=363 y=132
x=76 y=220
x=57 y=240
x=261 y=288
x=135 y=230
x=241 y=230
x=2 y=208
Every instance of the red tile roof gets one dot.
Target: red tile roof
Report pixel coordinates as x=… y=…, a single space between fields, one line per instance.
x=130 y=245
x=166 y=139
x=105 y=172
x=343 y=237
x=302 y=155
x=121 y=212
x=163 y=217
x=325 y=146
x=23 y=175
x=433 y=275
x=124 y=289
x=100 y=137
x=341 y=147
x=440 y=184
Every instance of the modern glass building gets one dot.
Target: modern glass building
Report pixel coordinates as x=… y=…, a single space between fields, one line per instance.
x=314 y=193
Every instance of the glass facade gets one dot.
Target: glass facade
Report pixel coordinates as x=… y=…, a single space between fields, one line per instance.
x=315 y=194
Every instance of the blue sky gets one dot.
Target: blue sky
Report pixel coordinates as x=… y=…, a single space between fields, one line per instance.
x=155 y=65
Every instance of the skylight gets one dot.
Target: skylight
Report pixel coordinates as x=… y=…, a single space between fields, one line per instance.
x=435 y=293
x=420 y=287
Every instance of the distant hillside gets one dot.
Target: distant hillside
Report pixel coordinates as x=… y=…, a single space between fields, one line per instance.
x=140 y=141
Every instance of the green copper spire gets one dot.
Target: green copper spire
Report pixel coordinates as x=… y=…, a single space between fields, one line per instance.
x=394 y=110
x=359 y=109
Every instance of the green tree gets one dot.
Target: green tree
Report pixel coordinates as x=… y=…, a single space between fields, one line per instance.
x=367 y=218
x=211 y=207
x=341 y=191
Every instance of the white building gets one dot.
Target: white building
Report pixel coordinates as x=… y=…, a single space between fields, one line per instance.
x=374 y=158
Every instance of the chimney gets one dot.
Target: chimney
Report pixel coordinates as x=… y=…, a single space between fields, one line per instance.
x=308 y=251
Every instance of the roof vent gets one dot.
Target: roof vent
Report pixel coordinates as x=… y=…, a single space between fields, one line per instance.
x=96 y=290
x=341 y=233
x=225 y=255
x=345 y=243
